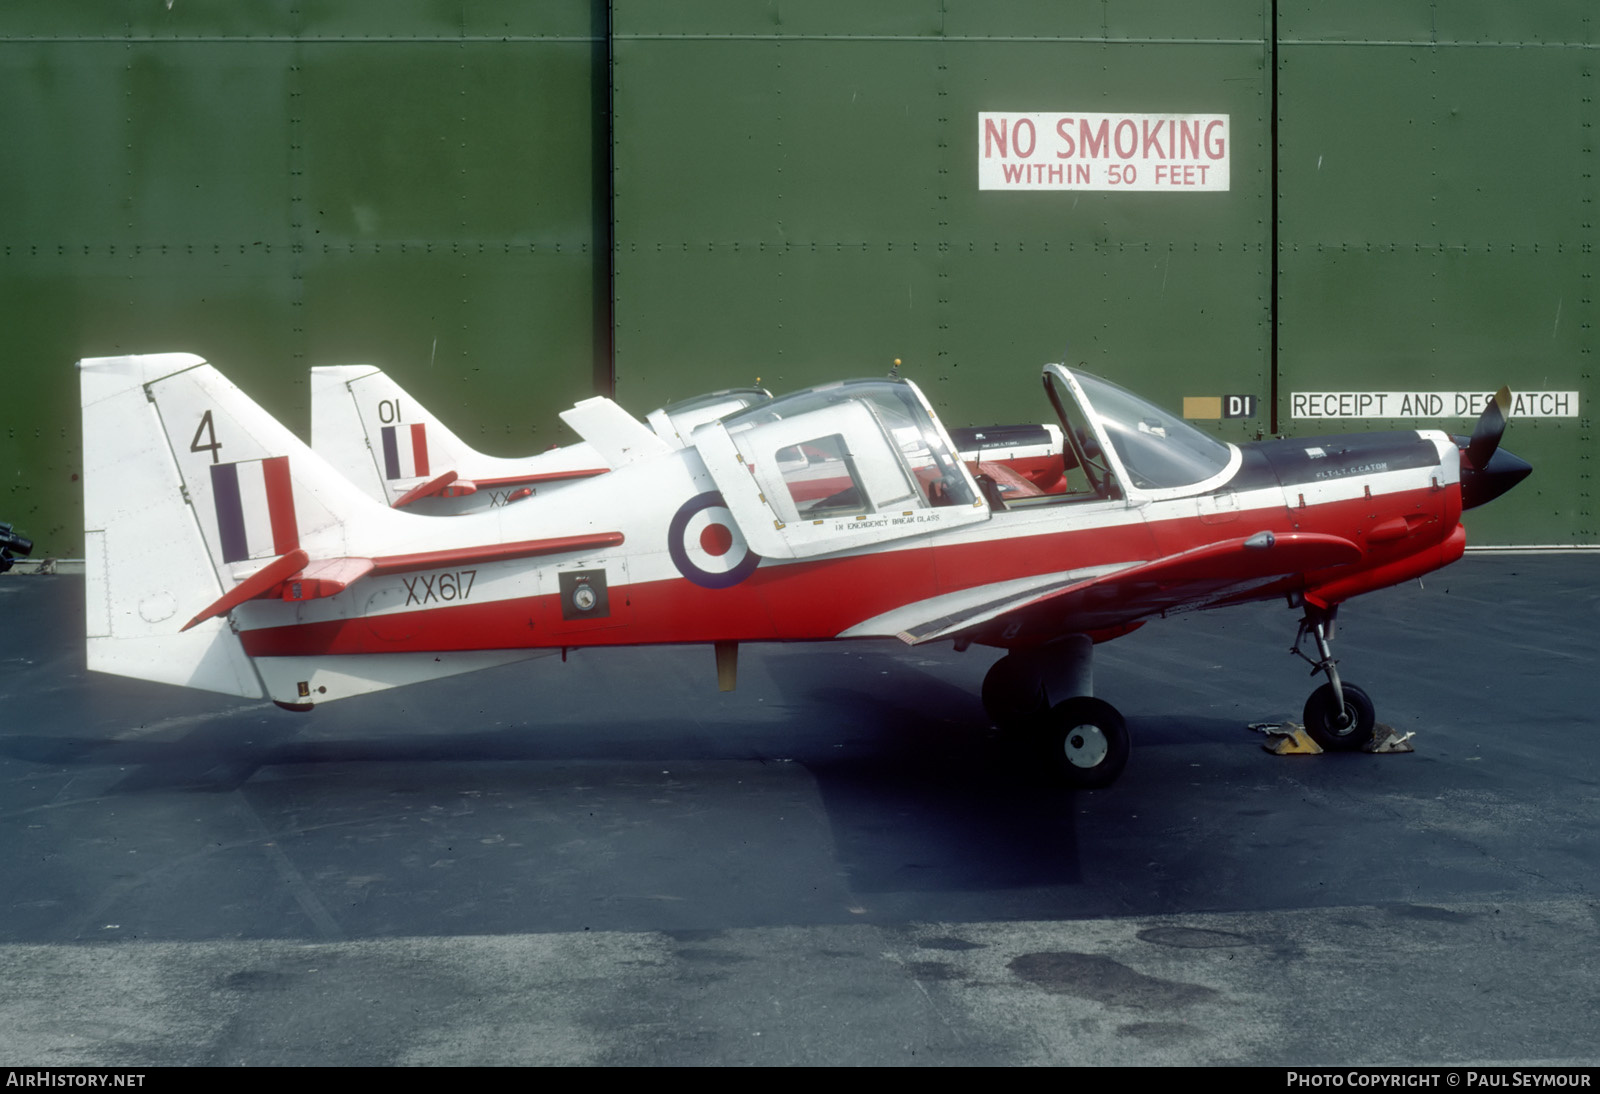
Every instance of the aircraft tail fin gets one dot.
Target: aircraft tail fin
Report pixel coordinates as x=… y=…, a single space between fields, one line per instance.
x=146 y=555
x=206 y=518
x=390 y=445
x=378 y=436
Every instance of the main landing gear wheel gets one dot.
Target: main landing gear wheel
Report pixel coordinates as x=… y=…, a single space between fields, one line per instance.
x=1339 y=729
x=1085 y=743
x=1013 y=695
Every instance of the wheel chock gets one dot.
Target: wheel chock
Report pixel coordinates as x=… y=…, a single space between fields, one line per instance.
x=1287 y=739
x=1291 y=739
x=1387 y=739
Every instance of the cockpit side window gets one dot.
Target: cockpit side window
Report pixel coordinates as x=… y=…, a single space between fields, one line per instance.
x=887 y=453
x=922 y=453
x=821 y=478
x=837 y=467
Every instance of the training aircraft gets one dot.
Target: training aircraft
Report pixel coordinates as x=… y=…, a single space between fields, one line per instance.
x=224 y=554
x=389 y=444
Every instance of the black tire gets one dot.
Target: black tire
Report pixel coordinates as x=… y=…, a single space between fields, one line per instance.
x=1013 y=695
x=1338 y=730
x=1085 y=743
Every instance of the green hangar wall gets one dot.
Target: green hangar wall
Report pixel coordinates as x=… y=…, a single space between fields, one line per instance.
x=510 y=206
x=280 y=185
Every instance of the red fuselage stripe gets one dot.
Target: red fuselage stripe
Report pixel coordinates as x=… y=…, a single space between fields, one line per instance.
x=819 y=599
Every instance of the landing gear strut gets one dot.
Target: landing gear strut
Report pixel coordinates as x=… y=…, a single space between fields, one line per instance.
x=1044 y=695
x=1338 y=716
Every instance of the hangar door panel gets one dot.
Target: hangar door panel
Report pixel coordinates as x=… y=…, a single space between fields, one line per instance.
x=1437 y=186
x=797 y=198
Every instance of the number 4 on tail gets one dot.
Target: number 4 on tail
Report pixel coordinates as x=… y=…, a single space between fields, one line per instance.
x=206 y=429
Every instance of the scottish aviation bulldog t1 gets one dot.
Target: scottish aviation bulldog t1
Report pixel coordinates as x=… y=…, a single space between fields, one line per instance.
x=224 y=554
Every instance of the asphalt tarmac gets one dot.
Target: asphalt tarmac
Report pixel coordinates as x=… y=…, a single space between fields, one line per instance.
x=607 y=861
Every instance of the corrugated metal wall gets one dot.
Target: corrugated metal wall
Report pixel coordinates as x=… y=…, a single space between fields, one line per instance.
x=273 y=186
x=1437 y=205
x=792 y=190
x=796 y=192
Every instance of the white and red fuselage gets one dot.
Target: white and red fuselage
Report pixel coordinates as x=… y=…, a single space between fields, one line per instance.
x=664 y=578
x=838 y=513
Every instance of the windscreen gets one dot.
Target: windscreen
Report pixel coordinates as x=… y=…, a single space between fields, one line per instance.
x=1159 y=450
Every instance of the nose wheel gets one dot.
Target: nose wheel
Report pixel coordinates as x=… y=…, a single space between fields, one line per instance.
x=1338 y=716
x=1339 y=726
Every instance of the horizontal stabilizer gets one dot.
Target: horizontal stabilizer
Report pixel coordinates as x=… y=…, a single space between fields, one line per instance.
x=260 y=583
x=327 y=577
x=295 y=577
x=436 y=485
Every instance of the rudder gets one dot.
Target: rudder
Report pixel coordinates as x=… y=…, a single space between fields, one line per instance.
x=146 y=559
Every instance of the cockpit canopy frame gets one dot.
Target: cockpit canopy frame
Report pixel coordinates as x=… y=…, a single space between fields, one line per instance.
x=836 y=467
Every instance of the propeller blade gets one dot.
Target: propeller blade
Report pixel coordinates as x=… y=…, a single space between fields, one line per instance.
x=1486 y=434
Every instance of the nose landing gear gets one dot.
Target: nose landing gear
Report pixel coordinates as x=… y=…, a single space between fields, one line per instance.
x=1339 y=716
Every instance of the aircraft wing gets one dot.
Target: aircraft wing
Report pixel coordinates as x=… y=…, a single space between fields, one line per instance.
x=1100 y=601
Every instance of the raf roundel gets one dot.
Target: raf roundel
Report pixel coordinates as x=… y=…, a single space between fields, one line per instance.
x=706 y=546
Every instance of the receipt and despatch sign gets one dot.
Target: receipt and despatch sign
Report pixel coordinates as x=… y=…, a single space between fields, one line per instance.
x=1408 y=405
